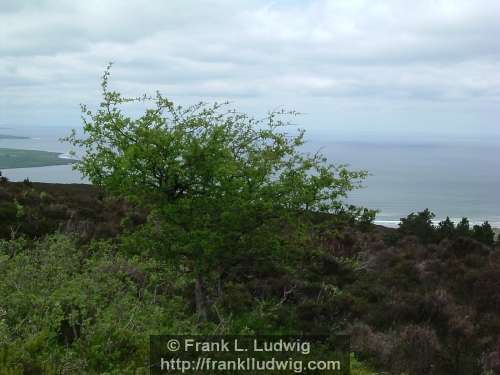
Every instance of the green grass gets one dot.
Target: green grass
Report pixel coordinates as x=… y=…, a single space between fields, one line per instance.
x=13 y=158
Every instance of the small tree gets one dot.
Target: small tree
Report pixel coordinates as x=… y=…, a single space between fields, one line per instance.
x=446 y=228
x=463 y=228
x=484 y=233
x=419 y=224
x=217 y=180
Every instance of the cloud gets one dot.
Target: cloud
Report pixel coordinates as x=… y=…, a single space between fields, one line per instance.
x=359 y=51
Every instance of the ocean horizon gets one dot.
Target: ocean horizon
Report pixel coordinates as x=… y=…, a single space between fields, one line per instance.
x=451 y=177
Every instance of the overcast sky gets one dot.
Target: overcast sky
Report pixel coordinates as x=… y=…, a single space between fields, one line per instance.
x=379 y=66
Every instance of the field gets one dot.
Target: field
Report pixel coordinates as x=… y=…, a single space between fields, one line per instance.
x=13 y=158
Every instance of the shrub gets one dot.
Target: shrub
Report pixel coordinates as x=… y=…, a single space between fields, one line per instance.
x=416 y=351
x=59 y=306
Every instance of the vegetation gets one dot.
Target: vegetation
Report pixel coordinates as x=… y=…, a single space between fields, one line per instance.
x=222 y=186
x=13 y=158
x=347 y=278
x=421 y=225
x=206 y=221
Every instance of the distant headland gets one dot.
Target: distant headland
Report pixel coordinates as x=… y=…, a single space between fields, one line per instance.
x=14 y=158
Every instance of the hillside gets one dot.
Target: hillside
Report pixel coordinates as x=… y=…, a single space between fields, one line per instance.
x=79 y=260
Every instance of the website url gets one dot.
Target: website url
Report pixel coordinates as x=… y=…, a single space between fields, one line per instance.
x=247 y=364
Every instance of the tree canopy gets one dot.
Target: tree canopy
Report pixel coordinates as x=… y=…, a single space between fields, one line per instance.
x=205 y=152
x=218 y=181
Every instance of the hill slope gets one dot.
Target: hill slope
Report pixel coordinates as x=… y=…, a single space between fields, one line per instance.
x=414 y=307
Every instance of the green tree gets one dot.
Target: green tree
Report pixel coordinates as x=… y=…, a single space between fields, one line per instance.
x=419 y=224
x=446 y=228
x=484 y=233
x=217 y=180
x=463 y=228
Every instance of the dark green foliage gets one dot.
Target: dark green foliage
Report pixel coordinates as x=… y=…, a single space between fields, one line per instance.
x=83 y=311
x=221 y=185
x=446 y=229
x=3 y=179
x=8 y=219
x=484 y=233
x=93 y=306
x=419 y=224
x=91 y=309
x=8 y=212
x=463 y=228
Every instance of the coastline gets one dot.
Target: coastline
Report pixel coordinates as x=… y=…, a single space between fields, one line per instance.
x=13 y=158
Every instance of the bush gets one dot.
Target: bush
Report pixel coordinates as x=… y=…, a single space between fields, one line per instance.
x=416 y=351
x=59 y=305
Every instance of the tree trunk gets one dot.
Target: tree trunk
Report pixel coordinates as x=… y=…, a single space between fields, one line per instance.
x=200 y=300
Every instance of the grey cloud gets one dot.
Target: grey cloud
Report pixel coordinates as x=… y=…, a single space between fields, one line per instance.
x=439 y=51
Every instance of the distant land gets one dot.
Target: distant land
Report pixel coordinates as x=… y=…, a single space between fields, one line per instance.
x=14 y=158
x=7 y=136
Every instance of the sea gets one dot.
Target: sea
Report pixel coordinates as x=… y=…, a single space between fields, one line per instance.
x=452 y=176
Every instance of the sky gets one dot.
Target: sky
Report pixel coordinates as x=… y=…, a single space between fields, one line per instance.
x=355 y=67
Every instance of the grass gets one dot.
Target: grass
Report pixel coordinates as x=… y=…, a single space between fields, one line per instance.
x=14 y=158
